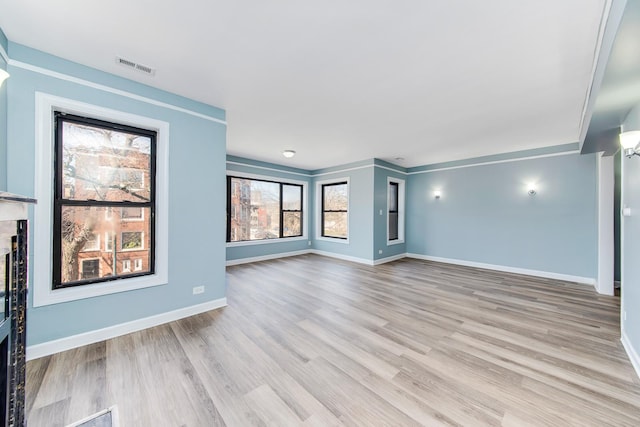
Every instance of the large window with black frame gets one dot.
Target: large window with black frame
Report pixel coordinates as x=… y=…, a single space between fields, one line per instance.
x=260 y=209
x=104 y=201
x=335 y=210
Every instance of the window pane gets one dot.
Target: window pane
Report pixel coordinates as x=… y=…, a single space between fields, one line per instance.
x=336 y=197
x=88 y=234
x=393 y=196
x=255 y=210
x=393 y=225
x=291 y=224
x=105 y=164
x=291 y=197
x=335 y=224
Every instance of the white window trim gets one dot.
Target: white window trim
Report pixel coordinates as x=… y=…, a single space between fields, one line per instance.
x=319 y=235
x=43 y=294
x=401 y=193
x=137 y=264
x=124 y=268
x=305 y=209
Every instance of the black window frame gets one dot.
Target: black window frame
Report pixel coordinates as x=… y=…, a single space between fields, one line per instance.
x=323 y=211
x=59 y=201
x=281 y=184
x=390 y=211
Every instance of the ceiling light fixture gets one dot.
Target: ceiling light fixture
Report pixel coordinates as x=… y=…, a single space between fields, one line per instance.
x=288 y=153
x=3 y=76
x=629 y=141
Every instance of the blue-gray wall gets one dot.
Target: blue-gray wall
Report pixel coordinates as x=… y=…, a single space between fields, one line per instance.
x=630 y=236
x=367 y=196
x=361 y=183
x=382 y=172
x=196 y=192
x=273 y=172
x=486 y=216
x=3 y=118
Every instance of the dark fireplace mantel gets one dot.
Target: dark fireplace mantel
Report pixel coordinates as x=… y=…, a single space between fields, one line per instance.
x=13 y=311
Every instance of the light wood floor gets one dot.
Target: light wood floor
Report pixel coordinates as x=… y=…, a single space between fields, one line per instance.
x=319 y=342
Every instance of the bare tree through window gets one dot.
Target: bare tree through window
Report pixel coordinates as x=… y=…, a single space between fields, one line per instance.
x=259 y=209
x=104 y=180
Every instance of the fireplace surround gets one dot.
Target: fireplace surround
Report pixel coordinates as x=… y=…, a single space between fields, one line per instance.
x=13 y=310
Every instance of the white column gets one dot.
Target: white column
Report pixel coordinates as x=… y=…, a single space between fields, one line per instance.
x=604 y=284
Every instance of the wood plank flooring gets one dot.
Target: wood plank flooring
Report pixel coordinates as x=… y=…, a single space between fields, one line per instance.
x=313 y=341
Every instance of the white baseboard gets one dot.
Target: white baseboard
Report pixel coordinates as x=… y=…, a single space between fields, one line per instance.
x=316 y=252
x=342 y=257
x=86 y=338
x=631 y=352
x=389 y=259
x=266 y=257
x=526 y=272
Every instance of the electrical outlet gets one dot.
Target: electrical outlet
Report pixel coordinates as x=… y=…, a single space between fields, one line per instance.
x=198 y=290
x=309 y=242
x=379 y=251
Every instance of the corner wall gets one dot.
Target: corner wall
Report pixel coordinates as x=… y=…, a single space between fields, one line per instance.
x=237 y=253
x=382 y=172
x=359 y=246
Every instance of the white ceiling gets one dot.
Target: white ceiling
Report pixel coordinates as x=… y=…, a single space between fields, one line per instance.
x=342 y=81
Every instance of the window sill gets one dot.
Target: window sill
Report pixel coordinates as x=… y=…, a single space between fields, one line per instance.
x=394 y=242
x=265 y=241
x=89 y=291
x=333 y=240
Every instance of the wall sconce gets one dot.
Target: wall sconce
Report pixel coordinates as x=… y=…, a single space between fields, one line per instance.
x=629 y=141
x=3 y=76
x=437 y=194
x=531 y=189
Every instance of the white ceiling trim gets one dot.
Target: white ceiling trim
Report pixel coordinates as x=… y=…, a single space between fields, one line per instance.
x=104 y=88
x=310 y=175
x=564 y=153
x=337 y=171
x=594 y=68
x=229 y=162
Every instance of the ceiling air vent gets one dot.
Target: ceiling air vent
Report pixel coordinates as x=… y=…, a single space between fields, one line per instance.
x=135 y=66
